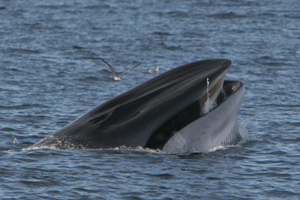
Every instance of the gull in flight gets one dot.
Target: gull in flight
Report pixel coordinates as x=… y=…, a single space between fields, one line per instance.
x=117 y=77
x=154 y=71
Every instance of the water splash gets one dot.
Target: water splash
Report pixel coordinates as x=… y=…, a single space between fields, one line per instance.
x=207 y=87
x=241 y=128
x=209 y=104
x=220 y=148
x=15 y=140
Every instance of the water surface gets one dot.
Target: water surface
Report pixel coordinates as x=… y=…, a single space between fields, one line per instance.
x=51 y=74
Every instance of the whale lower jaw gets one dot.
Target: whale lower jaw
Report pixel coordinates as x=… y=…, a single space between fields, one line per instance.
x=216 y=128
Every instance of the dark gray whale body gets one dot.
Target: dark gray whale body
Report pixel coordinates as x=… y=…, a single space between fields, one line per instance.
x=158 y=113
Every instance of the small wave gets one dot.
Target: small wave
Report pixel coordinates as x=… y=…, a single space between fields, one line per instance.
x=7 y=129
x=23 y=106
x=178 y=14
x=89 y=79
x=292 y=15
x=229 y=15
x=171 y=47
x=23 y=51
x=161 y=33
x=77 y=47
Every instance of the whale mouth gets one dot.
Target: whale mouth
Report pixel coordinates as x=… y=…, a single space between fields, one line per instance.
x=191 y=95
x=218 y=94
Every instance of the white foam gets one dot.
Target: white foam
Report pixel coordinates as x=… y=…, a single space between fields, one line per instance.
x=220 y=148
x=209 y=105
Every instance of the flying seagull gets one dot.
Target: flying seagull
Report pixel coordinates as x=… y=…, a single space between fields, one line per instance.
x=154 y=71
x=117 y=77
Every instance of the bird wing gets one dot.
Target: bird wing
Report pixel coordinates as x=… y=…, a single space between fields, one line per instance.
x=110 y=67
x=128 y=70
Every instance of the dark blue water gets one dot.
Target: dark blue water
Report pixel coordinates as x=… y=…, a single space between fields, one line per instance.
x=50 y=74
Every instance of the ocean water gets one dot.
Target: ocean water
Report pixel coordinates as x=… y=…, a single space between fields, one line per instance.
x=51 y=74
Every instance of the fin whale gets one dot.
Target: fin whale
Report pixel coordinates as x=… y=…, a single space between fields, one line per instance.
x=160 y=113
